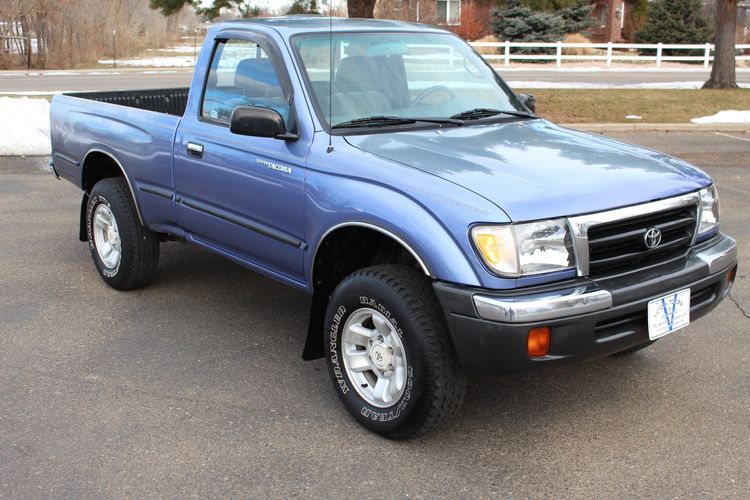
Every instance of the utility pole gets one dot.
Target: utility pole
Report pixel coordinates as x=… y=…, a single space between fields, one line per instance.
x=114 y=49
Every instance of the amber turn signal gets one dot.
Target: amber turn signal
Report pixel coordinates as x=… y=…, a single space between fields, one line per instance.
x=538 y=343
x=732 y=274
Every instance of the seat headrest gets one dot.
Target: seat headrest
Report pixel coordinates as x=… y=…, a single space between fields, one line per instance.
x=356 y=70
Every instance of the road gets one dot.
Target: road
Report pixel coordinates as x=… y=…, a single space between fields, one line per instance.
x=67 y=81
x=194 y=386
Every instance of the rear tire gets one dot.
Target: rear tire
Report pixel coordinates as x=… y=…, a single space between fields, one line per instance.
x=389 y=354
x=125 y=253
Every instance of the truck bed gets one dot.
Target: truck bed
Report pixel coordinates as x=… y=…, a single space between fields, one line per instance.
x=136 y=127
x=170 y=101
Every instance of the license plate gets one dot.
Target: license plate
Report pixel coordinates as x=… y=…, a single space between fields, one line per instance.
x=669 y=313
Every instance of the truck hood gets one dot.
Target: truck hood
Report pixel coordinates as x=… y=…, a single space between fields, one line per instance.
x=536 y=170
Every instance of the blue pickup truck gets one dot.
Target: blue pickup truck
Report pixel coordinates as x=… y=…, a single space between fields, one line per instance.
x=439 y=224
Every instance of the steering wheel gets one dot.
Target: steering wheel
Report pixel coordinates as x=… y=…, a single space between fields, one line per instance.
x=431 y=90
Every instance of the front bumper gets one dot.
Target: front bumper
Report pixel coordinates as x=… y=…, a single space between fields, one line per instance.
x=588 y=319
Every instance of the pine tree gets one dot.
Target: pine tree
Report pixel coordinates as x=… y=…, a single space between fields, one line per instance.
x=550 y=5
x=168 y=7
x=517 y=22
x=578 y=17
x=304 y=7
x=676 y=21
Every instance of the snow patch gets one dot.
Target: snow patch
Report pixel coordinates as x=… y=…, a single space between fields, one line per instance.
x=624 y=68
x=729 y=116
x=159 y=62
x=180 y=49
x=24 y=129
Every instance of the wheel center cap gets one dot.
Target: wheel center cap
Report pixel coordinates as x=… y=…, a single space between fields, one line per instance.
x=381 y=356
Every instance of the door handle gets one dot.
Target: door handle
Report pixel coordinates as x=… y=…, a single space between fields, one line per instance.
x=195 y=150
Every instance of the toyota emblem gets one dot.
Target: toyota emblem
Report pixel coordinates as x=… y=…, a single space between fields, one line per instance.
x=652 y=238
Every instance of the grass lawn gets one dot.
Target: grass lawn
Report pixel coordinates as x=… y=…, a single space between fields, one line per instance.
x=654 y=106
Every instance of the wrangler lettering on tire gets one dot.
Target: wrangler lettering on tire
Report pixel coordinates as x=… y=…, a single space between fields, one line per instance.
x=125 y=253
x=389 y=355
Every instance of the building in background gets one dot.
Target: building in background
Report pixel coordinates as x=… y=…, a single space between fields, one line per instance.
x=743 y=22
x=610 y=20
x=437 y=12
x=471 y=19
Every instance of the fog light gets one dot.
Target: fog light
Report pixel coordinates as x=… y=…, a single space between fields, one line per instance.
x=538 y=343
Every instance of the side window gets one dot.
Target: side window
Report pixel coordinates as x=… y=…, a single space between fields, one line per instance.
x=241 y=74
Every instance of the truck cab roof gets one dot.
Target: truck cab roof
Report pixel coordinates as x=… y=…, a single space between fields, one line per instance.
x=292 y=25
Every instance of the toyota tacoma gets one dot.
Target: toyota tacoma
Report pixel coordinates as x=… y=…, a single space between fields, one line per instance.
x=440 y=225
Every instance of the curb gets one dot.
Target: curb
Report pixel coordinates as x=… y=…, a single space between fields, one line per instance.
x=109 y=70
x=659 y=127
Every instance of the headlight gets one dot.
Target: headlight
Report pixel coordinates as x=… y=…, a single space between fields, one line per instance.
x=524 y=249
x=709 y=210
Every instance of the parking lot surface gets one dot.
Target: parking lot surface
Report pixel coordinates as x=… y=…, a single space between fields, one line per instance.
x=194 y=386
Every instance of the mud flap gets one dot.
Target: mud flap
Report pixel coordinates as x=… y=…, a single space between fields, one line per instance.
x=314 y=345
x=82 y=234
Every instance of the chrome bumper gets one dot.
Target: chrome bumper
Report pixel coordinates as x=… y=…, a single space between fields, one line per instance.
x=719 y=256
x=543 y=306
x=583 y=299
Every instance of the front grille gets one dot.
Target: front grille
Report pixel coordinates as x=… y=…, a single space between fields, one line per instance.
x=618 y=247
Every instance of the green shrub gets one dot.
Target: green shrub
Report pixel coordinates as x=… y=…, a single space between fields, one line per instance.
x=676 y=21
x=517 y=22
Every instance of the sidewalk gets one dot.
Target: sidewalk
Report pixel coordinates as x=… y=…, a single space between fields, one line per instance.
x=659 y=127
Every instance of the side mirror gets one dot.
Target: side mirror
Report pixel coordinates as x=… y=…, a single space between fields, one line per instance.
x=529 y=101
x=259 y=122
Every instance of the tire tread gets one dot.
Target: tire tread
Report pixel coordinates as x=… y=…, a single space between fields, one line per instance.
x=139 y=267
x=444 y=382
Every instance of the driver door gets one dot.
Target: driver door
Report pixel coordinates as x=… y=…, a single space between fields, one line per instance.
x=242 y=196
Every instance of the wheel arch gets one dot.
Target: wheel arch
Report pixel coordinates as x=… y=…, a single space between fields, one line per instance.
x=330 y=232
x=373 y=244
x=99 y=164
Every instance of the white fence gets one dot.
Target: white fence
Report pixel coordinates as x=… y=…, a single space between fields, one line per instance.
x=610 y=52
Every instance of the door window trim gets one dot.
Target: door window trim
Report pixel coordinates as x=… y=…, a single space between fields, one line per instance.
x=271 y=49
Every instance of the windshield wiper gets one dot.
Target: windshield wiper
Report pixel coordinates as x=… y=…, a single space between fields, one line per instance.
x=384 y=121
x=474 y=114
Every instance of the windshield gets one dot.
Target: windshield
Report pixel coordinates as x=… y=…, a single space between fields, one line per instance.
x=381 y=77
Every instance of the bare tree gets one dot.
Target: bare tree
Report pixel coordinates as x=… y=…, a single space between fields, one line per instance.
x=65 y=33
x=723 y=73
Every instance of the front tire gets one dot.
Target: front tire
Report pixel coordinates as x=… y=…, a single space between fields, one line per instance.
x=389 y=354
x=125 y=253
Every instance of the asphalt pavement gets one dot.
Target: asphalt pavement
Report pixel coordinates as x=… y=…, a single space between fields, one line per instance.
x=194 y=386
x=133 y=79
